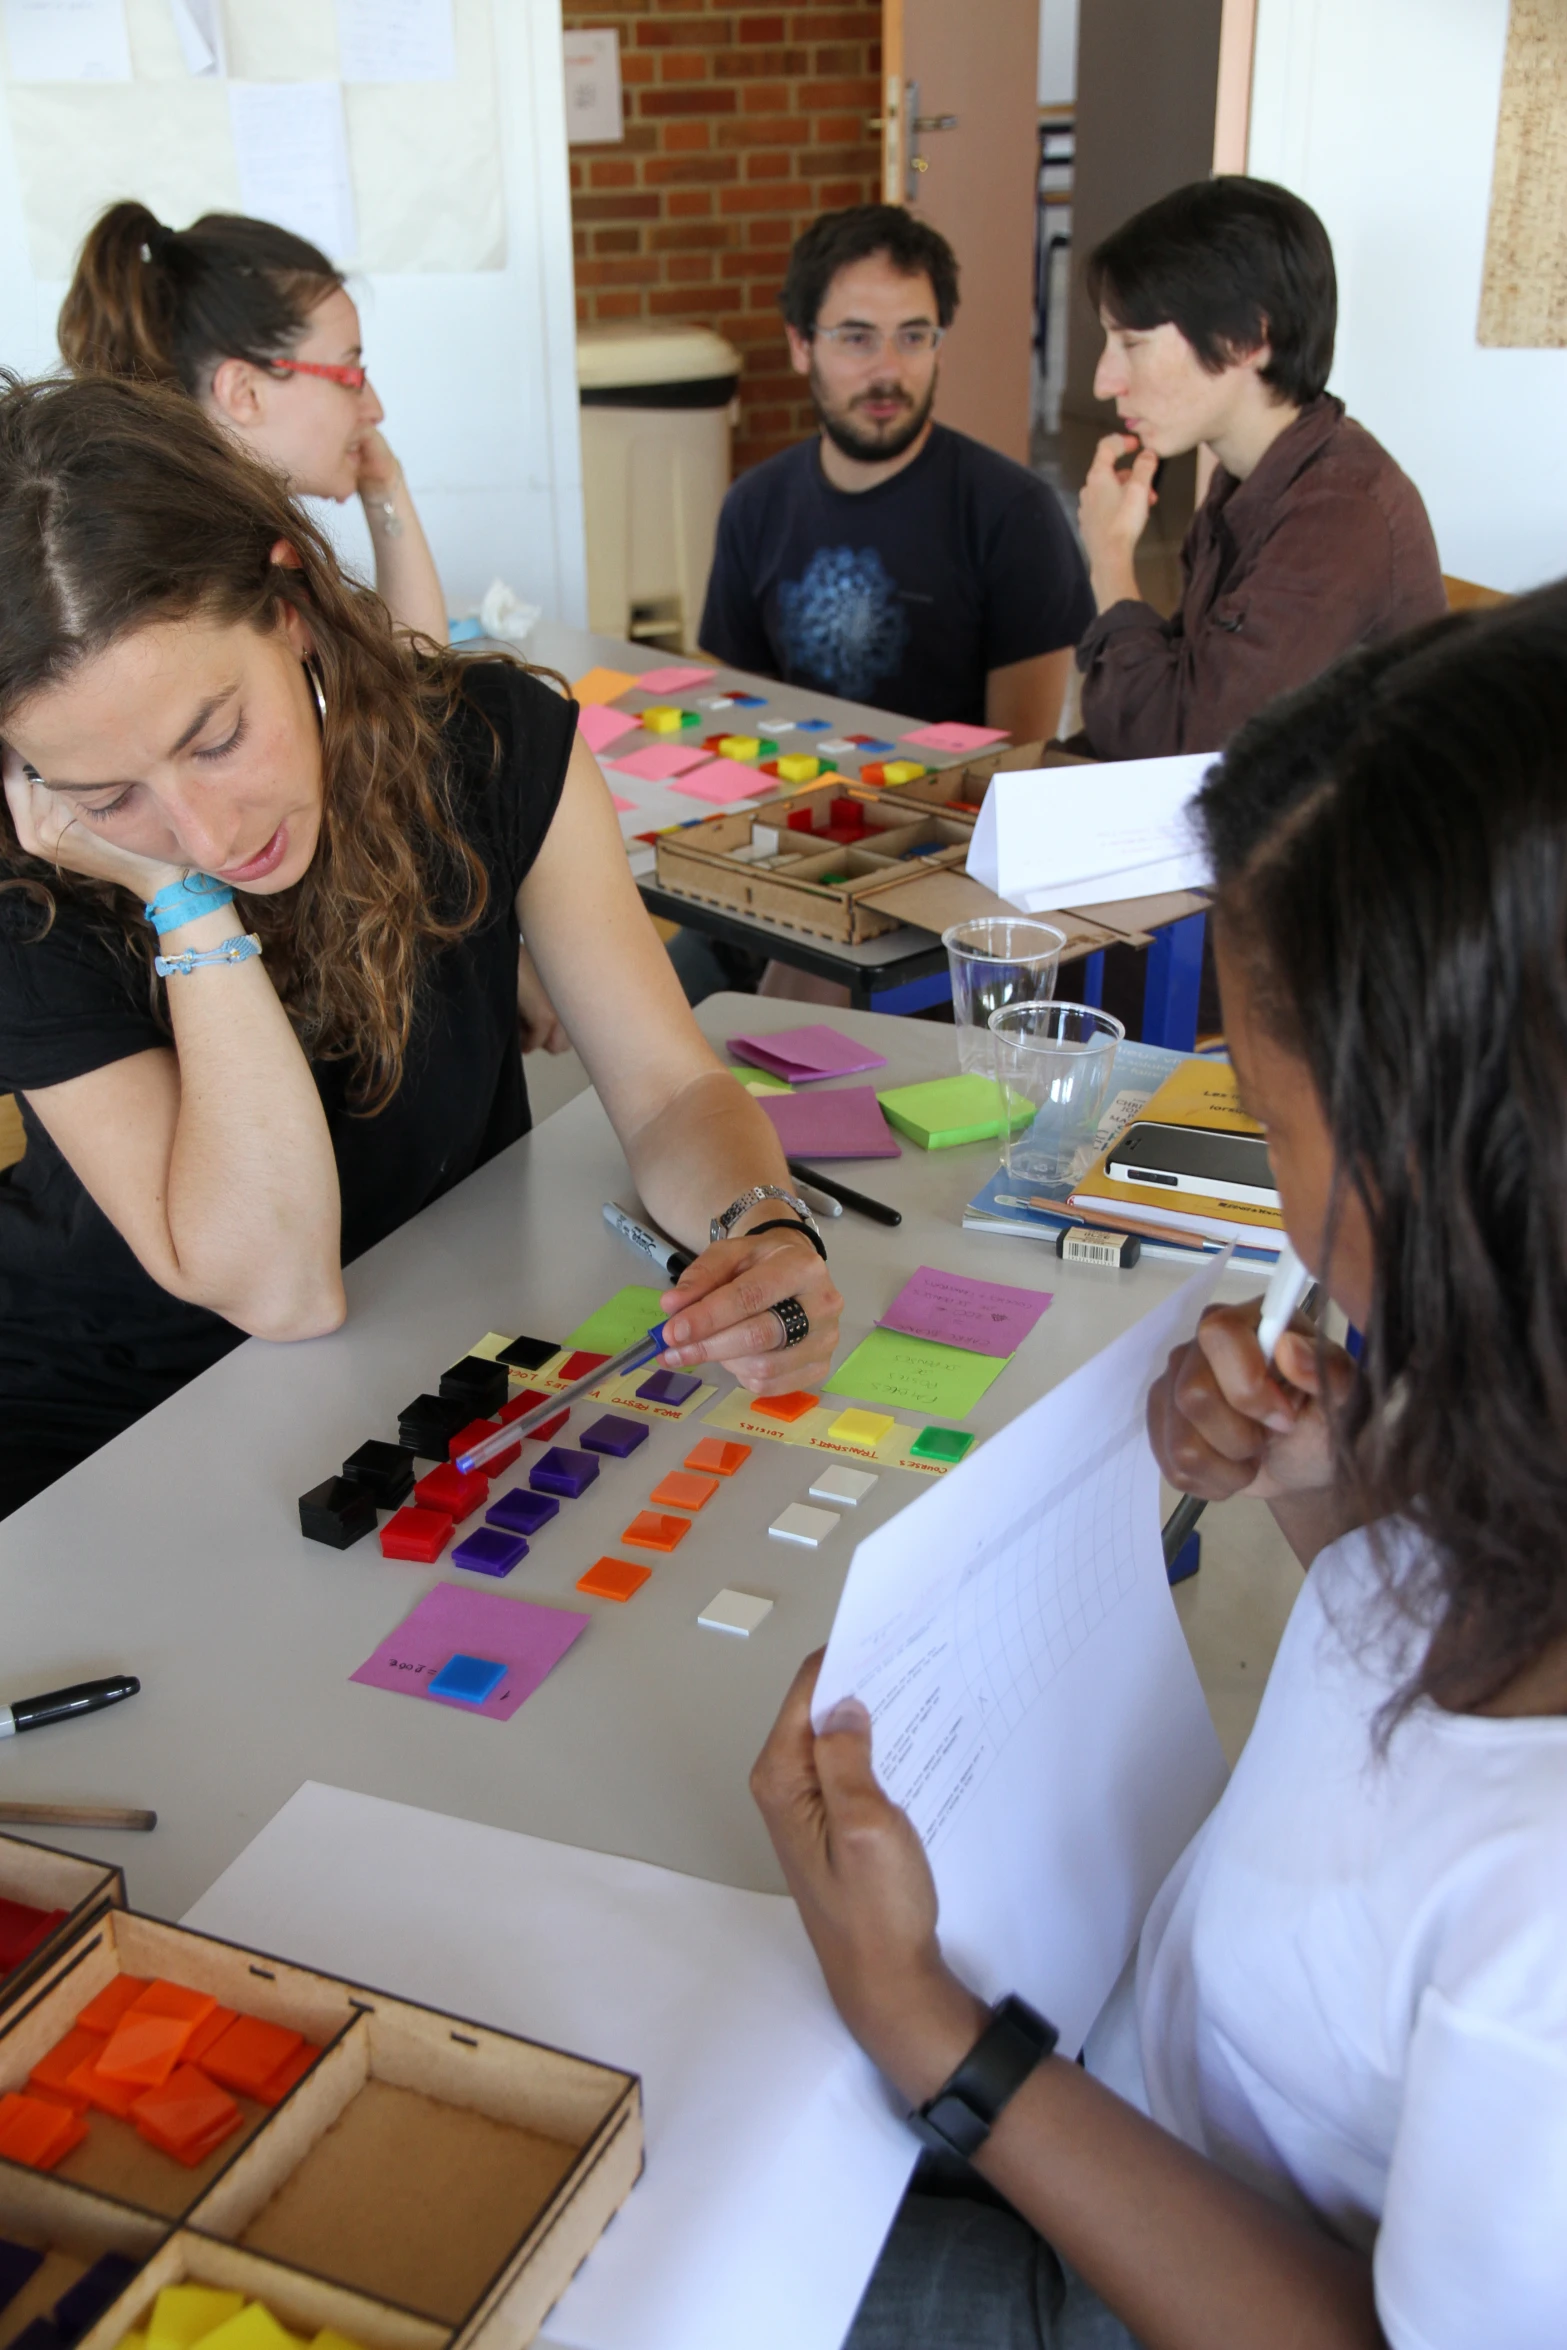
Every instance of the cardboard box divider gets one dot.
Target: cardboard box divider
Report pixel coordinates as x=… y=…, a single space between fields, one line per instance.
x=72 y=2228
x=44 y=1878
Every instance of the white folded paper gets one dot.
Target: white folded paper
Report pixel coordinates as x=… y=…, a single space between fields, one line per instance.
x=1086 y=836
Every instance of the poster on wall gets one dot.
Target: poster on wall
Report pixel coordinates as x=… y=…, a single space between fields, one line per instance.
x=67 y=41
x=1523 y=292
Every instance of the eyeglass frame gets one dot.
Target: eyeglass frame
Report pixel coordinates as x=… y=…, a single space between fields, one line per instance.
x=353 y=379
x=834 y=335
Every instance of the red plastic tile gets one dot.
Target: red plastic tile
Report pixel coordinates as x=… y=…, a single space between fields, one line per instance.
x=523 y=1401
x=451 y=1490
x=579 y=1366
x=475 y=1433
x=415 y=1533
x=548 y=1428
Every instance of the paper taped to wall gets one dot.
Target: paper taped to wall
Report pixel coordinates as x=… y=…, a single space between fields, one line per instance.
x=396 y=41
x=291 y=146
x=1086 y=836
x=67 y=41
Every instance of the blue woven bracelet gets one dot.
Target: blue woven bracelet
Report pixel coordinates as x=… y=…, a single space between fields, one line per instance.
x=181 y=901
x=238 y=949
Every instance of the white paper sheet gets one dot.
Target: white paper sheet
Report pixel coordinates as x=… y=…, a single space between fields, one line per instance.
x=594 y=111
x=1085 y=836
x=396 y=41
x=774 y=2161
x=1035 y=1706
x=67 y=41
x=291 y=147
x=198 y=26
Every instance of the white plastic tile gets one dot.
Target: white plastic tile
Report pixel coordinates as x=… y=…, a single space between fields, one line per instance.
x=799 y=1524
x=847 y=1487
x=735 y=1611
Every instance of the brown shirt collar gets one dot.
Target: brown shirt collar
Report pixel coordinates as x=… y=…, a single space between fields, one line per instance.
x=1249 y=507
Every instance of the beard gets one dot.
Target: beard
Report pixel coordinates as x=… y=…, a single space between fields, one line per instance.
x=871 y=444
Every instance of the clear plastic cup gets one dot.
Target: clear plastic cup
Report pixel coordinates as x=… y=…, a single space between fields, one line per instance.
x=1058 y=1059
x=994 y=963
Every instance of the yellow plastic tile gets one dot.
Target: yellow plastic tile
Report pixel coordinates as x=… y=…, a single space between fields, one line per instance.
x=740 y=746
x=184 y=2314
x=902 y=771
x=795 y=767
x=330 y=2339
x=255 y=2328
x=856 y=1427
x=660 y=718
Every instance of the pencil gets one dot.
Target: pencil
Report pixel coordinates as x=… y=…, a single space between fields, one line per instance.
x=74 y=1815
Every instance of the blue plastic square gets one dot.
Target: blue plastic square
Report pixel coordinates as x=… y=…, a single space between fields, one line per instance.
x=748 y=701
x=814 y=725
x=489 y=1551
x=471 y=1678
x=522 y=1512
x=675 y=1387
x=874 y=749
x=564 y=1472
x=615 y=1434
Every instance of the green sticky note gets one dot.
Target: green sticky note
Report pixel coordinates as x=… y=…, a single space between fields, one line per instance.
x=761 y=1081
x=620 y=1321
x=917 y=1373
x=948 y=1110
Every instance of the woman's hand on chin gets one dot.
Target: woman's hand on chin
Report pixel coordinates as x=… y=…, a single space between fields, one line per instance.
x=51 y=827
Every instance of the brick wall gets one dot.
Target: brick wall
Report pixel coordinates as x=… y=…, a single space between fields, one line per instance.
x=742 y=123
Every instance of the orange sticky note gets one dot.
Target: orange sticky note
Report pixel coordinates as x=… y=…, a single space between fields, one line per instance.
x=600 y=685
x=249 y=2053
x=651 y=1530
x=717 y=1458
x=53 y=2072
x=104 y=2012
x=785 y=1407
x=187 y=2116
x=36 y=2131
x=614 y=1579
x=682 y=1491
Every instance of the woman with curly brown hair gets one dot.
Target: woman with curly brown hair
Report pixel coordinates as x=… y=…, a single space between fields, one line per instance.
x=263 y=868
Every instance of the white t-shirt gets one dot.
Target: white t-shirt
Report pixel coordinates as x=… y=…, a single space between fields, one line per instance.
x=1352 y=1988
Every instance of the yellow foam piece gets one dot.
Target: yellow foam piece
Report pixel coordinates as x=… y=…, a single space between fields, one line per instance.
x=330 y=2339
x=255 y=2328
x=740 y=746
x=857 y=1427
x=661 y=718
x=186 y=2314
x=903 y=771
x=133 y=2342
x=795 y=767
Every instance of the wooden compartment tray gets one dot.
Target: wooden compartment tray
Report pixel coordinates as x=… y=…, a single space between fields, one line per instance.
x=42 y=1878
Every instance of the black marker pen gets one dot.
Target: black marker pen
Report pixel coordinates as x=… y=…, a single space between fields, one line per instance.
x=61 y=1705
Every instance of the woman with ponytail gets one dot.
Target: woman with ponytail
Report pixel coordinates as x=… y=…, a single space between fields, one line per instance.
x=258 y=326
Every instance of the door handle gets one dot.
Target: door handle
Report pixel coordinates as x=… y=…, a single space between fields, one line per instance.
x=935 y=122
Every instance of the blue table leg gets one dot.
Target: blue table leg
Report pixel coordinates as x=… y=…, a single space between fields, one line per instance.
x=1174 y=977
x=915 y=995
x=1094 y=979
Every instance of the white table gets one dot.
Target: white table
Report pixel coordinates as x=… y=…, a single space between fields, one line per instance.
x=175 y=1554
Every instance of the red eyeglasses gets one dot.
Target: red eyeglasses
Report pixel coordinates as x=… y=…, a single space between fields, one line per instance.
x=352 y=377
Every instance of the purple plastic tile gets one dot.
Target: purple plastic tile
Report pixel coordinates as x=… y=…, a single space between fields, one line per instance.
x=670 y=1387
x=489 y=1551
x=565 y=1472
x=522 y=1512
x=615 y=1434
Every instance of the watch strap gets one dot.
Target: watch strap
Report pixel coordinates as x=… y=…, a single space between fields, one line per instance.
x=965 y=2109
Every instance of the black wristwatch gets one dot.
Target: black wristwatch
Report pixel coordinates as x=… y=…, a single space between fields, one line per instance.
x=965 y=2109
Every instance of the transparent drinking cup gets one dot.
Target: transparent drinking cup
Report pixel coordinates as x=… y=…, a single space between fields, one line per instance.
x=996 y=962
x=1058 y=1060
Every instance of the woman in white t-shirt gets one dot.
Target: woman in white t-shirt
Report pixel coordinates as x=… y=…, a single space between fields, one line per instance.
x=1334 y=2113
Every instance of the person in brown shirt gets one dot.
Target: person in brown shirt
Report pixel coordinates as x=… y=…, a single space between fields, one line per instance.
x=1219 y=305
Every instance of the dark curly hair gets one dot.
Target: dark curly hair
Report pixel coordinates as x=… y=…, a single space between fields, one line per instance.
x=835 y=239
x=1390 y=847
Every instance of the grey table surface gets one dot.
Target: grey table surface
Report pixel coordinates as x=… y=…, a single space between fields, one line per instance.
x=175 y=1553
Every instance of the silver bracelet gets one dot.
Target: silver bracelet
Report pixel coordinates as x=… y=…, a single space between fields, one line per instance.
x=233 y=950
x=721 y=1226
x=391 y=520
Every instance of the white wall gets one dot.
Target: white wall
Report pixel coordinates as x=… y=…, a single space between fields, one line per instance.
x=1382 y=114
x=477 y=371
x=1057 y=52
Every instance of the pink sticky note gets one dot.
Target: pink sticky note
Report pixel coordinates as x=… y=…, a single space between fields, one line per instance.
x=728 y=779
x=674 y=679
x=621 y=807
x=599 y=725
x=803 y=1055
x=986 y=1317
x=952 y=735
x=660 y=761
x=529 y=1640
x=844 y=1125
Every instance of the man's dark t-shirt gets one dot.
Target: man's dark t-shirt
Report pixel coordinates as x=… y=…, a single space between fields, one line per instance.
x=904 y=595
x=88 y=1340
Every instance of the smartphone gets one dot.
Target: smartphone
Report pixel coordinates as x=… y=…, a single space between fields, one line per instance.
x=1191 y=1158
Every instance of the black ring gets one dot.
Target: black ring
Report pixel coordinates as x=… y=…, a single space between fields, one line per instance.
x=793 y=1320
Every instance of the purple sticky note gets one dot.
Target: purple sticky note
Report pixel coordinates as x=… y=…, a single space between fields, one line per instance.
x=599 y=725
x=489 y=1551
x=986 y=1317
x=803 y=1055
x=564 y=1472
x=659 y=761
x=613 y=1434
x=669 y=1387
x=847 y=1124
x=674 y=679
x=952 y=735
x=530 y=1641
x=522 y=1512
x=725 y=780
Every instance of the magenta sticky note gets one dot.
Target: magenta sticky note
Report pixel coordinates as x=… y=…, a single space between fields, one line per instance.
x=986 y=1317
x=674 y=679
x=599 y=725
x=843 y=1125
x=530 y=1641
x=728 y=779
x=952 y=735
x=803 y=1055
x=660 y=761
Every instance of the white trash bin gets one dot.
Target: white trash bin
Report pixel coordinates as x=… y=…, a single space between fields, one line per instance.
x=658 y=411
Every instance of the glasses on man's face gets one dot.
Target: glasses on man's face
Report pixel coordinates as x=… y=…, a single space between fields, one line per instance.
x=353 y=377
x=915 y=341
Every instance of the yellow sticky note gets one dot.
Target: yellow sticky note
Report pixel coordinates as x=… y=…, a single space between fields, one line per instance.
x=255 y=2328
x=740 y=746
x=902 y=771
x=661 y=719
x=861 y=1427
x=601 y=685
x=488 y=1347
x=185 y=2314
x=795 y=767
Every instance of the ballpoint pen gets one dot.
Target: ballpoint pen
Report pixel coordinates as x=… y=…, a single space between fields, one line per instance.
x=630 y=1358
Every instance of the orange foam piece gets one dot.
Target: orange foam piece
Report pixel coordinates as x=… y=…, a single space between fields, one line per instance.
x=614 y=1579
x=104 y=2012
x=292 y=2069
x=249 y=2053
x=144 y=2049
x=38 y=2132
x=187 y=2115
x=785 y=1407
x=211 y=2028
x=52 y=2073
x=651 y=1530
x=116 y=2097
x=681 y=1491
x=717 y=1458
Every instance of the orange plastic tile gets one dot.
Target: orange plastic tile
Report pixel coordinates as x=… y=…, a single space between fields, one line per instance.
x=211 y=2028
x=716 y=1458
x=104 y=2012
x=614 y=1579
x=187 y=2116
x=293 y=2068
x=116 y=2097
x=785 y=1407
x=681 y=1491
x=36 y=2131
x=53 y=2072
x=164 y=1998
x=144 y=2049
x=651 y=1530
x=249 y=2053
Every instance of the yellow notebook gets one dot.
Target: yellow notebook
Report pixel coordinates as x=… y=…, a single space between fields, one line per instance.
x=1203 y=1094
